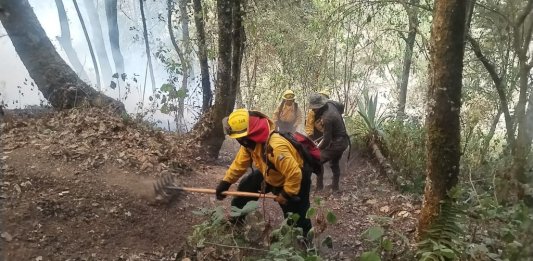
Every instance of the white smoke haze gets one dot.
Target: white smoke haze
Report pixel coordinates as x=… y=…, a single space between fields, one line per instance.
x=13 y=73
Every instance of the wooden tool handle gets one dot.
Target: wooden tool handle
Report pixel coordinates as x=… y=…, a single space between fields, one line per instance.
x=230 y=193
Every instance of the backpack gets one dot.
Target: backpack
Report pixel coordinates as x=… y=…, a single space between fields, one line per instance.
x=307 y=149
x=338 y=105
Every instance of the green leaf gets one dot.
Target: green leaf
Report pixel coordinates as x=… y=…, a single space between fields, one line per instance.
x=318 y=201
x=295 y=217
x=311 y=213
x=387 y=245
x=327 y=242
x=167 y=87
x=370 y=256
x=448 y=253
x=374 y=233
x=331 y=218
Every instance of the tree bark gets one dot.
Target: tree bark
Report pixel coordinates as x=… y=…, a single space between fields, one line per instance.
x=58 y=83
x=211 y=135
x=500 y=88
x=147 y=44
x=99 y=44
x=412 y=11
x=184 y=18
x=523 y=32
x=91 y=51
x=237 y=46
x=114 y=34
x=207 y=94
x=444 y=103
x=66 y=42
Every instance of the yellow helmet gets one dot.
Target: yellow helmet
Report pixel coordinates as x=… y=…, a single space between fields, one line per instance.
x=325 y=93
x=236 y=124
x=288 y=95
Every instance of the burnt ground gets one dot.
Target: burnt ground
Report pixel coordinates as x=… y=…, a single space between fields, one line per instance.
x=100 y=206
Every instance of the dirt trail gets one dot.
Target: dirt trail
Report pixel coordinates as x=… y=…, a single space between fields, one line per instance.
x=55 y=208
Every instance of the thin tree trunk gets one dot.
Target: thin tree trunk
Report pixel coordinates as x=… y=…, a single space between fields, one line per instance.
x=490 y=134
x=114 y=34
x=185 y=63
x=91 y=51
x=207 y=94
x=147 y=44
x=237 y=47
x=444 y=103
x=210 y=129
x=58 y=83
x=66 y=42
x=99 y=44
x=500 y=88
x=412 y=11
x=523 y=32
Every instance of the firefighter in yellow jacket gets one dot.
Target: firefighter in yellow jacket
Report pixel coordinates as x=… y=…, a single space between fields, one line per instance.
x=314 y=129
x=287 y=116
x=277 y=168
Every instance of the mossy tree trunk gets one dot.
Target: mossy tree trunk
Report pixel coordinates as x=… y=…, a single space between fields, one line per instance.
x=59 y=84
x=444 y=104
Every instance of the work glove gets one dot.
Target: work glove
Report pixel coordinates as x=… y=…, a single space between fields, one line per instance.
x=282 y=198
x=222 y=186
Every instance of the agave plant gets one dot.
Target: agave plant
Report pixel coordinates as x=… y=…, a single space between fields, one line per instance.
x=372 y=115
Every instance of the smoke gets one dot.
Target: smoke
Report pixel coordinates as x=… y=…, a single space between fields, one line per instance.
x=13 y=73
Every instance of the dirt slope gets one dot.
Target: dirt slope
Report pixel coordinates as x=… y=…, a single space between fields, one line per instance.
x=67 y=196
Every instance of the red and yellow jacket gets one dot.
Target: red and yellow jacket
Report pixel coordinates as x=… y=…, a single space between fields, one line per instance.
x=287 y=162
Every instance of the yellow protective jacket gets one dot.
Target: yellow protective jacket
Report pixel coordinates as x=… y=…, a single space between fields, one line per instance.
x=288 y=113
x=311 y=124
x=287 y=162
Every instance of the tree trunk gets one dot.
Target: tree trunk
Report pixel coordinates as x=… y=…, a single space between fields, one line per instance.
x=500 y=88
x=444 y=102
x=66 y=42
x=91 y=51
x=147 y=44
x=185 y=62
x=207 y=94
x=99 y=44
x=114 y=34
x=58 y=83
x=211 y=135
x=523 y=32
x=237 y=46
x=412 y=11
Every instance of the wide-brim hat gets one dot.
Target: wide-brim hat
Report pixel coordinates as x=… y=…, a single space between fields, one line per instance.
x=317 y=101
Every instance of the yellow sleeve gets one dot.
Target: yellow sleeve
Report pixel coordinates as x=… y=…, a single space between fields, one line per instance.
x=287 y=165
x=310 y=123
x=239 y=166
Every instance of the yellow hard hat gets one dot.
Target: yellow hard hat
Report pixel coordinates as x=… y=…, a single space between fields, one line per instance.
x=236 y=124
x=288 y=95
x=325 y=93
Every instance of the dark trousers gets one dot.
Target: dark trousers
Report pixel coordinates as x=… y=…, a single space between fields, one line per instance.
x=252 y=183
x=333 y=157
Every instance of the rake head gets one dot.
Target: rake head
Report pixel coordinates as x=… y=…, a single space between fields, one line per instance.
x=165 y=189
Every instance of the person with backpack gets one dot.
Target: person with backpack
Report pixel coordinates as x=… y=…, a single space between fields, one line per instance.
x=314 y=129
x=287 y=116
x=278 y=166
x=335 y=138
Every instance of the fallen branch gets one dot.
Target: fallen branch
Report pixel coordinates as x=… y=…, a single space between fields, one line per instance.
x=384 y=164
x=239 y=247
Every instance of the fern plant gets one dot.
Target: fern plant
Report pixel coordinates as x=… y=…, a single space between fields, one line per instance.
x=443 y=240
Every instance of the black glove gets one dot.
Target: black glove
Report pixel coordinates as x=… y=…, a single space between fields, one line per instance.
x=222 y=186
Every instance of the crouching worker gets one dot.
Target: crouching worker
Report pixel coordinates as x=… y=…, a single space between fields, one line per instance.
x=277 y=168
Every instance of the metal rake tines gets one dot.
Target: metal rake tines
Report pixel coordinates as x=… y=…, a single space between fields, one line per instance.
x=161 y=187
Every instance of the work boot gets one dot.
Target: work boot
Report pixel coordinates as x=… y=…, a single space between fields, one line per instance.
x=335 y=183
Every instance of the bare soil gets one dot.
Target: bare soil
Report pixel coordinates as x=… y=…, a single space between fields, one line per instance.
x=56 y=206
